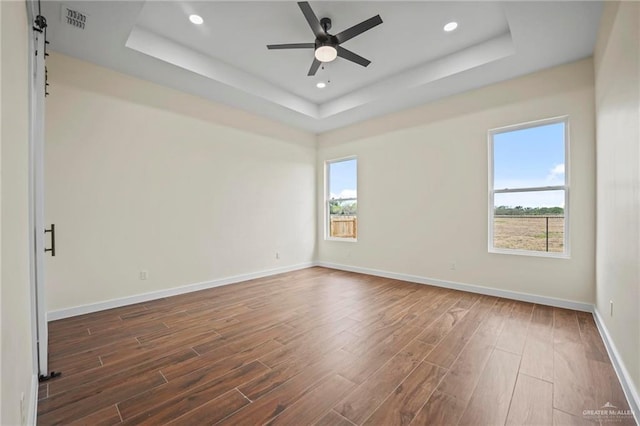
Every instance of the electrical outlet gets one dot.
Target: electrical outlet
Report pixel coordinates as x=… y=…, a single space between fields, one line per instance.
x=452 y=266
x=144 y=274
x=611 y=308
x=277 y=255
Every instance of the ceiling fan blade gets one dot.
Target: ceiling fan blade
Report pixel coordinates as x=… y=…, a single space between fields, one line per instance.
x=291 y=46
x=311 y=17
x=358 y=29
x=314 y=67
x=350 y=56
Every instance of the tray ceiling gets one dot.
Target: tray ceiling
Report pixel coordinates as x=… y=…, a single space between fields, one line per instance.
x=413 y=60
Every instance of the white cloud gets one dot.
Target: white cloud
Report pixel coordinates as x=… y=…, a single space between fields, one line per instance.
x=556 y=172
x=555 y=176
x=345 y=193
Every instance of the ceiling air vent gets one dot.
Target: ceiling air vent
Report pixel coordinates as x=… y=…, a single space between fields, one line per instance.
x=74 y=18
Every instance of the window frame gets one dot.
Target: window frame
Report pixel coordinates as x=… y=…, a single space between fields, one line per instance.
x=327 y=199
x=566 y=254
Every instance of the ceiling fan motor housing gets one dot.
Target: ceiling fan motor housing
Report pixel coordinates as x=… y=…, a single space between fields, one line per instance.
x=328 y=41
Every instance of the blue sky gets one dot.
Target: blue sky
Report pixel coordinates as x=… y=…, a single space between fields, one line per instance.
x=532 y=157
x=343 y=179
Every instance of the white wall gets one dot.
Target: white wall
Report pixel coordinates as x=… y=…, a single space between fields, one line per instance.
x=139 y=176
x=422 y=187
x=1 y=400
x=15 y=307
x=617 y=64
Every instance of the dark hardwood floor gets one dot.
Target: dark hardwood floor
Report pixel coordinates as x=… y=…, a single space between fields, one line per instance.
x=326 y=347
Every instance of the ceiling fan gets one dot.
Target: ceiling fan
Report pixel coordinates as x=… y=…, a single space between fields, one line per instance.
x=327 y=46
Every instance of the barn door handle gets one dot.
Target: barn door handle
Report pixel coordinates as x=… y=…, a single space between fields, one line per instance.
x=53 y=240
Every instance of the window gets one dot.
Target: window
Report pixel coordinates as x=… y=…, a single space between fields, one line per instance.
x=528 y=188
x=342 y=199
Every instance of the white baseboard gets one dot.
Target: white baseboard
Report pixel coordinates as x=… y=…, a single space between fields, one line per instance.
x=623 y=374
x=145 y=297
x=33 y=402
x=490 y=291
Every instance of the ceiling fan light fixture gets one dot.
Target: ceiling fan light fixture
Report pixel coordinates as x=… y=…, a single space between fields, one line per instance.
x=326 y=53
x=196 y=19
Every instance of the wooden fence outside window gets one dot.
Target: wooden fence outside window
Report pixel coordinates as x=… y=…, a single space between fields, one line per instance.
x=343 y=226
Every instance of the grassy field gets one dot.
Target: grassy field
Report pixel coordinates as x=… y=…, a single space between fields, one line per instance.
x=528 y=233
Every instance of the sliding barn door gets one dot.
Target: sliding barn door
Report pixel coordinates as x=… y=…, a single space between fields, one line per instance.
x=38 y=80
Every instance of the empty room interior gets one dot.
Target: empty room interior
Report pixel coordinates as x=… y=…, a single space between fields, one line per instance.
x=320 y=213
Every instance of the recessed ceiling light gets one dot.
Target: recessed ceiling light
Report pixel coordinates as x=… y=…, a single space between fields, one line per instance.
x=450 y=26
x=196 y=19
x=321 y=85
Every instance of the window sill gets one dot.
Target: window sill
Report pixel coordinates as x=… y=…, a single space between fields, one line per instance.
x=531 y=253
x=346 y=240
